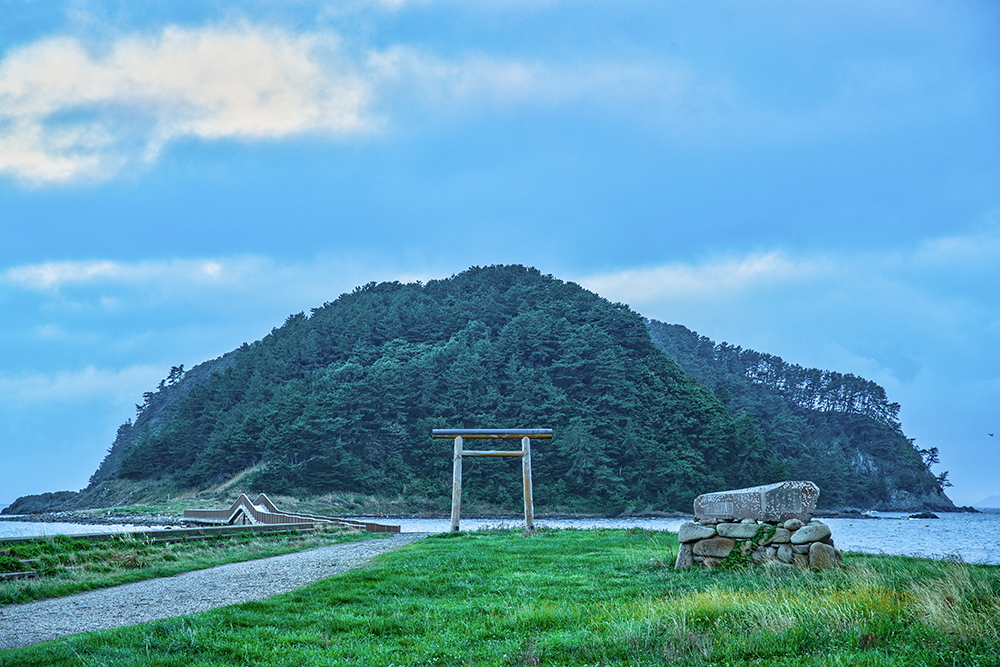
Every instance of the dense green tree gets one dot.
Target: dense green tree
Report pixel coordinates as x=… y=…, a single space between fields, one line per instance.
x=838 y=430
x=344 y=398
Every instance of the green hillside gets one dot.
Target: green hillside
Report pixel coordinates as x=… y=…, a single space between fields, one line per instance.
x=343 y=399
x=836 y=429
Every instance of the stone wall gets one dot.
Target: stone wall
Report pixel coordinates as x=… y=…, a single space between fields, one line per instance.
x=711 y=542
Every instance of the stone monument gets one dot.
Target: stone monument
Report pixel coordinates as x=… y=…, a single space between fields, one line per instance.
x=770 y=526
x=772 y=502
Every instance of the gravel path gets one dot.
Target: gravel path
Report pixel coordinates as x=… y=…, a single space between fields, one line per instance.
x=34 y=622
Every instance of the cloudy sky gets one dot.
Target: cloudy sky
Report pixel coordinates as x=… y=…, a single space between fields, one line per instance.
x=818 y=180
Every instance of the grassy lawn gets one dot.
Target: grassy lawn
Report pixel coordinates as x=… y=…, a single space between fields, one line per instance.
x=577 y=597
x=70 y=566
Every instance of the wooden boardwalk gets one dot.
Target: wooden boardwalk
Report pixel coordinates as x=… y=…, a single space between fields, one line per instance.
x=243 y=511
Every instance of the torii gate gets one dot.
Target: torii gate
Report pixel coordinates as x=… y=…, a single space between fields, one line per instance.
x=493 y=434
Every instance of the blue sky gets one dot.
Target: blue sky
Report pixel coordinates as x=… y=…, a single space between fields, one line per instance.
x=819 y=180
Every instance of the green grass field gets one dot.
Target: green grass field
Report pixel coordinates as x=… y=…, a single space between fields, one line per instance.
x=70 y=566
x=577 y=597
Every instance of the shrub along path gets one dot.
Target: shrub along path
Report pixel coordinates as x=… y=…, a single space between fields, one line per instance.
x=34 y=622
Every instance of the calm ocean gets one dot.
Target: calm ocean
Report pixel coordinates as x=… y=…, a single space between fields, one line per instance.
x=975 y=538
x=28 y=529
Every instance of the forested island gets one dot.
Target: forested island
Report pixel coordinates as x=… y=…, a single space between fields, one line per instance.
x=646 y=415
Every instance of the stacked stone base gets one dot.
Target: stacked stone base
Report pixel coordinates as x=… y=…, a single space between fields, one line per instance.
x=781 y=545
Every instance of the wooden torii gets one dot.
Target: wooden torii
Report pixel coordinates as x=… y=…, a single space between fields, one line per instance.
x=525 y=434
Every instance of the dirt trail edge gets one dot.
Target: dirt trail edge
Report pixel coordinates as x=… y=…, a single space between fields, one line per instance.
x=107 y=608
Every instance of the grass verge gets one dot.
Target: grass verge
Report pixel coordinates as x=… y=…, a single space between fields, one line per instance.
x=70 y=566
x=571 y=597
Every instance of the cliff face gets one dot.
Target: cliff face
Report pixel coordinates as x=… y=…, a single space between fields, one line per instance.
x=108 y=494
x=837 y=430
x=903 y=501
x=344 y=399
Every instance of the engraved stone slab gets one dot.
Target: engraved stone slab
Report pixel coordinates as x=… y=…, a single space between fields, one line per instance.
x=772 y=502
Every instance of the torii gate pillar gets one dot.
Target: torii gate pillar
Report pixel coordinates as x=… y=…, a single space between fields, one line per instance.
x=492 y=434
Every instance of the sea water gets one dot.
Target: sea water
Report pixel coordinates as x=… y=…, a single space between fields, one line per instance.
x=43 y=529
x=974 y=538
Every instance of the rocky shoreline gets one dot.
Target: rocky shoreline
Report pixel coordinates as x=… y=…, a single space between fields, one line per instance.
x=852 y=513
x=149 y=520
x=110 y=517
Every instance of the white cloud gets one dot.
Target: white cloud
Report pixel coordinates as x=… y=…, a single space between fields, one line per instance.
x=978 y=249
x=247 y=284
x=435 y=80
x=716 y=278
x=56 y=275
x=481 y=79
x=929 y=281
x=897 y=313
x=116 y=386
x=345 y=6
x=393 y=4
x=69 y=113
x=51 y=332
x=913 y=275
